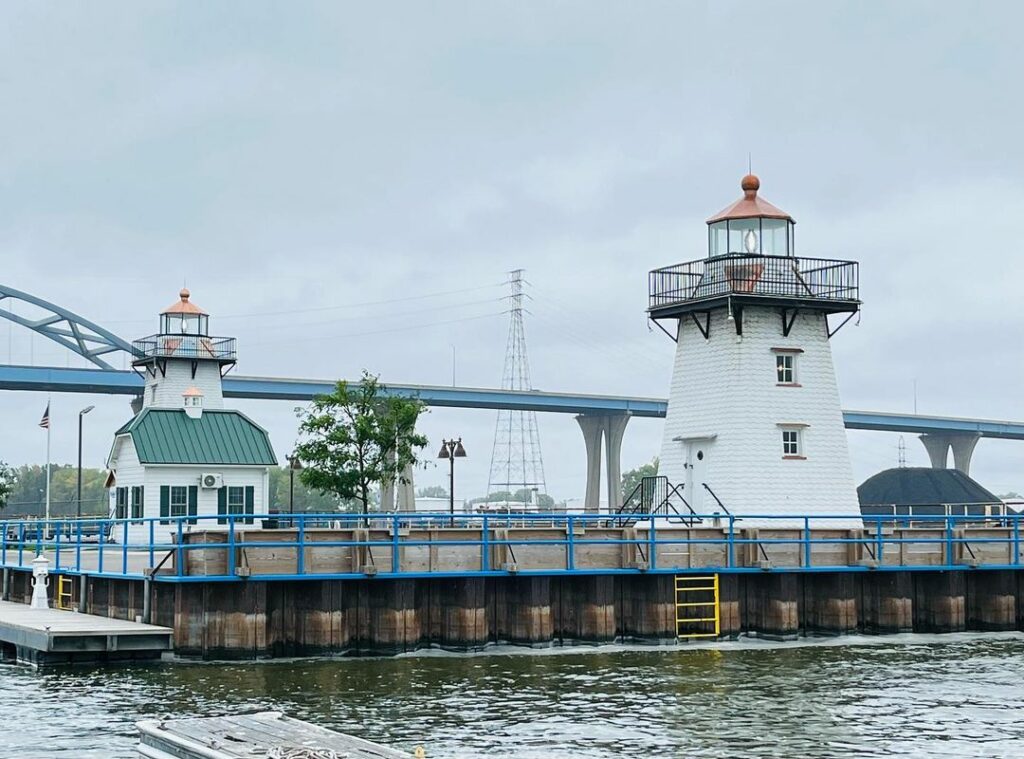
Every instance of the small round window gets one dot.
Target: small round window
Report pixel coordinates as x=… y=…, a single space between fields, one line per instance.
x=700 y=455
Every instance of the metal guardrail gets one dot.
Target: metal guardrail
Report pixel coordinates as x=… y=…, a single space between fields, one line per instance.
x=741 y=274
x=658 y=539
x=184 y=346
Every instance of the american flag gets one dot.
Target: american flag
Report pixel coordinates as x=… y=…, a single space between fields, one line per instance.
x=45 y=421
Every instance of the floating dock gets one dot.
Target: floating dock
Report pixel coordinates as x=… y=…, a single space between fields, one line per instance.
x=51 y=636
x=265 y=734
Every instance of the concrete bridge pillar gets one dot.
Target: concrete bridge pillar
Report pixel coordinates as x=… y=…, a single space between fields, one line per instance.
x=963 y=449
x=407 y=491
x=611 y=427
x=938 y=445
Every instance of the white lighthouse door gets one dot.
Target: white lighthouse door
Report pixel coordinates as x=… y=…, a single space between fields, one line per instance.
x=697 y=456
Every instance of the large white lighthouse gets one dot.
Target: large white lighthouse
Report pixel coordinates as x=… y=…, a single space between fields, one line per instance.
x=754 y=424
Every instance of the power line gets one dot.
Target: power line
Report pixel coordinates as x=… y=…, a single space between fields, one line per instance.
x=403 y=328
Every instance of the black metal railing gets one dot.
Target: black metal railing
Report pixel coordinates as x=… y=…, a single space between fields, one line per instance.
x=655 y=495
x=741 y=274
x=184 y=346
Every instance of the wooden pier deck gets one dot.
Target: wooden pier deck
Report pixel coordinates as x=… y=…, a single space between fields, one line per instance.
x=269 y=734
x=52 y=636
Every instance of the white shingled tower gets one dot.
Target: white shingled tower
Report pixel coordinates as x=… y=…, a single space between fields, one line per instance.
x=754 y=423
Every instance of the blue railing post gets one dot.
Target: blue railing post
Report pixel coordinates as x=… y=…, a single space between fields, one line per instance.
x=102 y=545
x=807 y=542
x=730 y=559
x=152 y=547
x=124 y=548
x=56 y=556
x=485 y=558
x=396 y=564
x=300 y=558
x=21 y=544
x=3 y=549
x=949 y=541
x=78 y=545
x=652 y=548
x=570 y=550
x=880 y=545
x=230 y=563
x=179 y=551
x=40 y=531
x=1016 y=539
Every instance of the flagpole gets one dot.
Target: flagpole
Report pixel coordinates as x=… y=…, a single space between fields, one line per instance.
x=49 y=428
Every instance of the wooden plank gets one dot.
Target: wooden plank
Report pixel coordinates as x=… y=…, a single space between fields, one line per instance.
x=248 y=735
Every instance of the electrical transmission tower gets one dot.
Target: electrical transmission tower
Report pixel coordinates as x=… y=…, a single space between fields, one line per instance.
x=516 y=461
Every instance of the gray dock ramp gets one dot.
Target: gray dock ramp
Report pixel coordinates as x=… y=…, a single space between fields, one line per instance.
x=244 y=736
x=52 y=636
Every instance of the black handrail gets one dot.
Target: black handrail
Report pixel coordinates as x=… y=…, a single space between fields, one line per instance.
x=717 y=499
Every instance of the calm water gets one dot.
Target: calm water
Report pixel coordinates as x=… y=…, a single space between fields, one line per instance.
x=950 y=696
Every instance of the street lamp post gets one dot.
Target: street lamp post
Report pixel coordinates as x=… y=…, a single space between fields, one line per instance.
x=451 y=450
x=294 y=465
x=81 y=414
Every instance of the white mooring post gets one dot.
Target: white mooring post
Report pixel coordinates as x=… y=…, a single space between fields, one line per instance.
x=40 y=581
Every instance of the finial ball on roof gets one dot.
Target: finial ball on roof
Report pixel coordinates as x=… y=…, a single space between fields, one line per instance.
x=184 y=293
x=750 y=183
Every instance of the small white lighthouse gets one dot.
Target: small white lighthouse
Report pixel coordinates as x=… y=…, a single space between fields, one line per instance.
x=754 y=424
x=183 y=454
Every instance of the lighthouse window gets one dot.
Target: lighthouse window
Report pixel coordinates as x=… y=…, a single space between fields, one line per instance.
x=785 y=368
x=179 y=500
x=791 y=443
x=236 y=500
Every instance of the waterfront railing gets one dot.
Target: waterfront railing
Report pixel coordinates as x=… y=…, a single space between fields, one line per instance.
x=349 y=546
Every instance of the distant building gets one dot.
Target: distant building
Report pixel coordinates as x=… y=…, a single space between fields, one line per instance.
x=183 y=453
x=914 y=491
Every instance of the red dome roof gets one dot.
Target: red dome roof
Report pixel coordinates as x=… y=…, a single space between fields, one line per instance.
x=750 y=206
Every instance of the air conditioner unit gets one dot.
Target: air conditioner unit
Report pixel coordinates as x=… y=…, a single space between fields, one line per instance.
x=211 y=481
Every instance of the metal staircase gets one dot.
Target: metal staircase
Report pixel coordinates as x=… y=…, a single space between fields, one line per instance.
x=655 y=495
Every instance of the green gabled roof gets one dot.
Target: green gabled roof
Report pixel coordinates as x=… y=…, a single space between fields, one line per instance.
x=170 y=436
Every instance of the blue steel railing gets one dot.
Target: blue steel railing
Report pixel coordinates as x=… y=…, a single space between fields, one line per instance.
x=164 y=548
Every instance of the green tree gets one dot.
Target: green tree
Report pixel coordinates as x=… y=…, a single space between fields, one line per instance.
x=8 y=479
x=632 y=478
x=522 y=495
x=433 y=491
x=356 y=438
x=307 y=500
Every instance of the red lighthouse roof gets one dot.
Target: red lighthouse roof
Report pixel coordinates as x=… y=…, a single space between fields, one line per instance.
x=750 y=206
x=185 y=306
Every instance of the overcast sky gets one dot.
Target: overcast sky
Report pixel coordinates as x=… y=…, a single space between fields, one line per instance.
x=345 y=186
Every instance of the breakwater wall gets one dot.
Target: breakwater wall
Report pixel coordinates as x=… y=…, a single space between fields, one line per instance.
x=307 y=617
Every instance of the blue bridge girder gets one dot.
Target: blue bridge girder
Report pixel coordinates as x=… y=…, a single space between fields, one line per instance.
x=74 y=332
x=120 y=382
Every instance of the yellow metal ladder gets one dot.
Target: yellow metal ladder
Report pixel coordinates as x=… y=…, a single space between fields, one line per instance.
x=691 y=612
x=64 y=594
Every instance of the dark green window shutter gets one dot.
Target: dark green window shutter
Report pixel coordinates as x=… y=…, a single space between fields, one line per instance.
x=142 y=501
x=250 y=501
x=193 y=502
x=222 y=504
x=165 y=503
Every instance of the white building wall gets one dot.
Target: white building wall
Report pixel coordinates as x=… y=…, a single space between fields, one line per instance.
x=130 y=472
x=165 y=390
x=726 y=403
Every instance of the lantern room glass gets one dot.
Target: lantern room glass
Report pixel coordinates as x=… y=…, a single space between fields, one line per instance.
x=772 y=237
x=184 y=324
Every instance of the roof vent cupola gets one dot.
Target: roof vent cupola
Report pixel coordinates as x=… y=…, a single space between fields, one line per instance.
x=193 y=399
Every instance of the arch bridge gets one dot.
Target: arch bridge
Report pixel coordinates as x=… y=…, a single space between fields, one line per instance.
x=600 y=416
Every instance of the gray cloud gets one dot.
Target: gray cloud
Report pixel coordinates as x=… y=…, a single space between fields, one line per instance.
x=286 y=158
